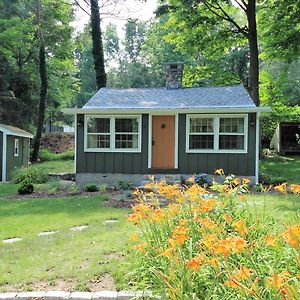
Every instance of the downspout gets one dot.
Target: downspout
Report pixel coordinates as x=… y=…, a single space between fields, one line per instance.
x=257 y=149
x=4 y=144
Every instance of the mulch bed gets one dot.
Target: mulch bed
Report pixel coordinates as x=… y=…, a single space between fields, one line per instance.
x=114 y=200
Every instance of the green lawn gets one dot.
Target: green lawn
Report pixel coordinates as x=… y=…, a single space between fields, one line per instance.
x=77 y=256
x=56 y=166
x=284 y=208
x=286 y=167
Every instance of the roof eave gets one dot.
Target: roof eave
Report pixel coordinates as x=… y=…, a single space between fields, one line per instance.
x=97 y=110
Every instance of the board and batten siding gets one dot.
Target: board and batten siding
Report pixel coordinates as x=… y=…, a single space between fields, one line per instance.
x=16 y=162
x=109 y=162
x=188 y=163
x=232 y=163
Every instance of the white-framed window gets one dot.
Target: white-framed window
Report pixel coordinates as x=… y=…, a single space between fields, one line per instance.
x=112 y=133
x=216 y=133
x=16 y=147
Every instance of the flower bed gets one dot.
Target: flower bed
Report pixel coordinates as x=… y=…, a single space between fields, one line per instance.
x=205 y=245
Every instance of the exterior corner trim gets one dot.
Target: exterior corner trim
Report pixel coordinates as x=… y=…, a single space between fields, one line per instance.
x=257 y=149
x=4 y=157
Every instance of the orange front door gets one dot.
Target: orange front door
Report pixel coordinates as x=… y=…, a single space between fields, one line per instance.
x=163 y=142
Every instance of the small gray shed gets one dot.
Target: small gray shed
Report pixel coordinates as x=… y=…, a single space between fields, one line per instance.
x=125 y=134
x=286 y=139
x=14 y=150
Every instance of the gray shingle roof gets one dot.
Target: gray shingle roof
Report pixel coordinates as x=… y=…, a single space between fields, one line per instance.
x=11 y=130
x=162 y=98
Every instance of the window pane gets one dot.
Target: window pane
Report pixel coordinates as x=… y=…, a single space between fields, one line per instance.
x=231 y=142
x=126 y=141
x=98 y=141
x=127 y=125
x=98 y=125
x=232 y=125
x=201 y=142
x=201 y=125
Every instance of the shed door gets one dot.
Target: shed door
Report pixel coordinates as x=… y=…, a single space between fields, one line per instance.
x=163 y=142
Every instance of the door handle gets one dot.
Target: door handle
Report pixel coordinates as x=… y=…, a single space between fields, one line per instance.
x=153 y=142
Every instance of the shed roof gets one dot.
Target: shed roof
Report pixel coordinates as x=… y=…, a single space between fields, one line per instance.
x=11 y=130
x=234 y=96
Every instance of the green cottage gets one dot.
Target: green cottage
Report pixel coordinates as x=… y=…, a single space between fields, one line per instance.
x=14 y=150
x=170 y=132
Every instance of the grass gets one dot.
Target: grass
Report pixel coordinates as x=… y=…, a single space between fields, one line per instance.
x=284 y=208
x=285 y=167
x=56 y=166
x=66 y=255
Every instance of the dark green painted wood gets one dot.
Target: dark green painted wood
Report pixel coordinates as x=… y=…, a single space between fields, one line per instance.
x=1 y=154
x=108 y=162
x=188 y=163
x=235 y=163
x=16 y=162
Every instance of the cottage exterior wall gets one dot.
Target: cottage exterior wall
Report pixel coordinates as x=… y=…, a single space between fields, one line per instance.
x=242 y=164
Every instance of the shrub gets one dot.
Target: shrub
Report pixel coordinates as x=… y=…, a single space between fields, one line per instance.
x=68 y=155
x=264 y=178
x=35 y=173
x=205 y=245
x=26 y=187
x=103 y=188
x=91 y=187
x=277 y=180
x=125 y=185
x=203 y=180
x=46 y=155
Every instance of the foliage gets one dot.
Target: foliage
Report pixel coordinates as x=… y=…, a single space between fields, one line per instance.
x=35 y=174
x=208 y=246
x=203 y=180
x=125 y=185
x=26 y=187
x=19 y=52
x=46 y=155
x=103 y=188
x=91 y=187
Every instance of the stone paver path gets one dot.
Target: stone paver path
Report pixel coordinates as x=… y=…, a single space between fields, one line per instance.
x=12 y=240
x=79 y=228
x=110 y=222
x=46 y=233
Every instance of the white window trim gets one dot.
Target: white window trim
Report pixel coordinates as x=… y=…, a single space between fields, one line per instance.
x=216 y=133
x=113 y=134
x=16 y=147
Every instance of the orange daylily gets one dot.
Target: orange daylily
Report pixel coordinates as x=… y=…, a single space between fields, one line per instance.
x=281 y=188
x=208 y=240
x=168 y=252
x=236 y=181
x=246 y=181
x=219 y=172
x=270 y=241
x=295 y=188
x=196 y=262
x=292 y=235
x=133 y=237
x=141 y=247
x=240 y=227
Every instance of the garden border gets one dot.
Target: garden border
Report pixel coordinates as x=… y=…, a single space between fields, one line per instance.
x=57 y=295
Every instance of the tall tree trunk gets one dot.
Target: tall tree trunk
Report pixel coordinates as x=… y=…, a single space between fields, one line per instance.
x=98 y=52
x=43 y=90
x=253 y=46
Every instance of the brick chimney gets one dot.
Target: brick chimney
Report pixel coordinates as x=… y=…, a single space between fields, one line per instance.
x=174 y=71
